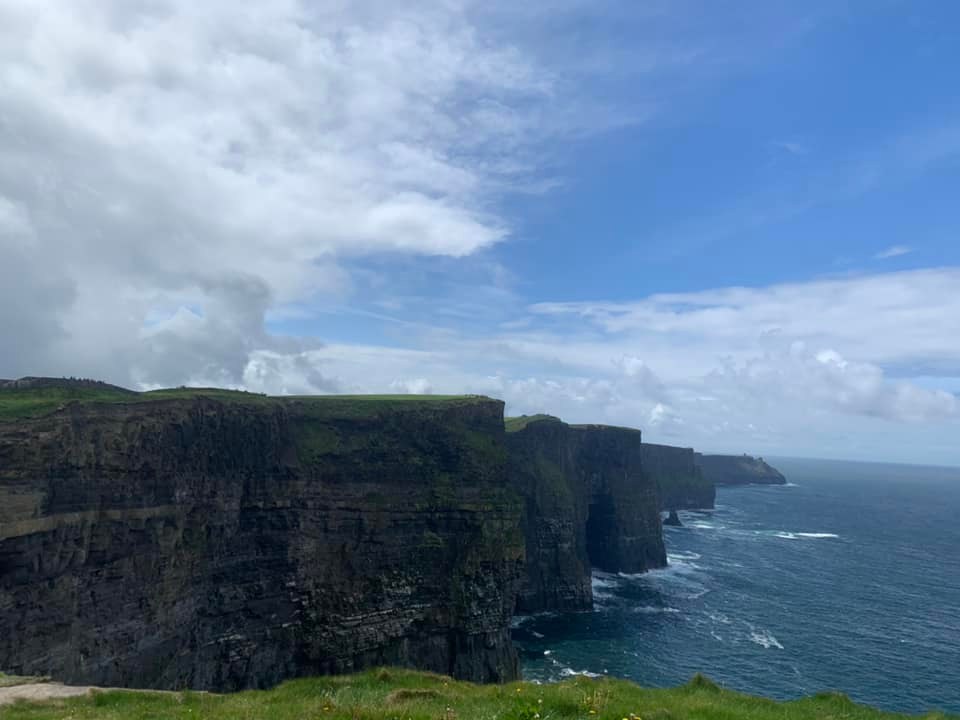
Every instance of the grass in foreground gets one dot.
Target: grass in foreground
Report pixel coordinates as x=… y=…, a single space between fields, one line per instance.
x=401 y=694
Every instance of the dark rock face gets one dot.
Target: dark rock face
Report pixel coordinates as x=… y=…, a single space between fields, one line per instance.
x=738 y=470
x=221 y=545
x=588 y=504
x=673 y=519
x=680 y=482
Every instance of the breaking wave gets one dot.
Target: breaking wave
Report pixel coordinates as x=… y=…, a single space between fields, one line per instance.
x=765 y=639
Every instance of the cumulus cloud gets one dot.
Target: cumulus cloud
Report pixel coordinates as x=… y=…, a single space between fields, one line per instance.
x=163 y=158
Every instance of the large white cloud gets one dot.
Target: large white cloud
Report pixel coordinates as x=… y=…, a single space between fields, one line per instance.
x=159 y=156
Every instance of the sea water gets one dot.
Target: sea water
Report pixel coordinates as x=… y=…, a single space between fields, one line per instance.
x=846 y=579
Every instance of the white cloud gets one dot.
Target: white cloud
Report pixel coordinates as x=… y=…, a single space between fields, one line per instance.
x=413 y=386
x=892 y=252
x=820 y=368
x=153 y=153
x=906 y=319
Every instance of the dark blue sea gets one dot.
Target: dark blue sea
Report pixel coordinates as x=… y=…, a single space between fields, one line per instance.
x=846 y=579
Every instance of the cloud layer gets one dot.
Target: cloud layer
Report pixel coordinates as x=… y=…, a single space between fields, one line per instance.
x=169 y=169
x=824 y=367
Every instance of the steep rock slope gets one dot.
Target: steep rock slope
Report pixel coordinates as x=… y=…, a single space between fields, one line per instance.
x=588 y=505
x=220 y=540
x=680 y=482
x=738 y=470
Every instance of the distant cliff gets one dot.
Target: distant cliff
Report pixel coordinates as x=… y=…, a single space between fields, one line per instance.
x=680 y=482
x=220 y=540
x=588 y=503
x=738 y=470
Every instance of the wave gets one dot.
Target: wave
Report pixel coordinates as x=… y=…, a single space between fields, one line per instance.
x=800 y=535
x=654 y=609
x=683 y=555
x=570 y=672
x=519 y=621
x=765 y=639
x=600 y=580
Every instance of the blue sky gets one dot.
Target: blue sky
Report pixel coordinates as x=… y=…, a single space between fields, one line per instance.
x=734 y=225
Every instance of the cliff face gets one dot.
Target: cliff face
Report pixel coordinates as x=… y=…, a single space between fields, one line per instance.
x=738 y=470
x=680 y=482
x=588 y=504
x=218 y=544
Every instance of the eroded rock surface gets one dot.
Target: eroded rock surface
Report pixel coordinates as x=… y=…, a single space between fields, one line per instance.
x=680 y=481
x=739 y=470
x=216 y=544
x=588 y=504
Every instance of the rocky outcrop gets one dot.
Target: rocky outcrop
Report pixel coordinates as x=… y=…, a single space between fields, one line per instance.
x=224 y=540
x=680 y=482
x=738 y=470
x=673 y=520
x=588 y=504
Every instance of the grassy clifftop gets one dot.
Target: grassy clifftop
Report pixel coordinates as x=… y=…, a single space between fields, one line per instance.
x=393 y=694
x=33 y=397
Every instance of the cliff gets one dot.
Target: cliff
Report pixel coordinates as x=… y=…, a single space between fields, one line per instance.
x=588 y=504
x=680 y=482
x=220 y=540
x=738 y=470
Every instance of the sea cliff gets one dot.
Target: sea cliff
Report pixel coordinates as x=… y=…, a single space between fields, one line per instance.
x=738 y=470
x=212 y=539
x=680 y=482
x=218 y=540
x=588 y=504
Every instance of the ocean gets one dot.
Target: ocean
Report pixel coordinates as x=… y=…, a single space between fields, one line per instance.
x=846 y=579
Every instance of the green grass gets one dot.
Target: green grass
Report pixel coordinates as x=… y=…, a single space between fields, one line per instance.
x=24 y=403
x=514 y=424
x=400 y=694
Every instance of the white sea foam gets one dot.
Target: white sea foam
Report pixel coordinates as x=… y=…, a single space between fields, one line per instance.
x=682 y=560
x=765 y=639
x=684 y=555
x=570 y=672
x=604 y=580
x=521 y=620
x=654 y=609
x=800 y=535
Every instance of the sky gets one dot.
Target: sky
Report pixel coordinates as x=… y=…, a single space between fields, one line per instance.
x=733 y=225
